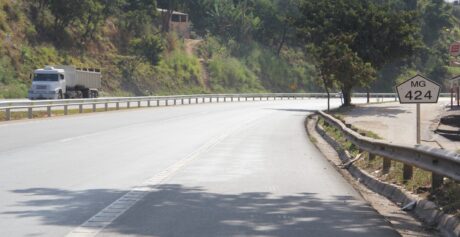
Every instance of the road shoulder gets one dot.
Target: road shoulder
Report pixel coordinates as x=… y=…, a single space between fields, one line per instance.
x=401 y=221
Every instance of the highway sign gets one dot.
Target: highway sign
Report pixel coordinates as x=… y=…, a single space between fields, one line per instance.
x=454 y=49
x=418 y=90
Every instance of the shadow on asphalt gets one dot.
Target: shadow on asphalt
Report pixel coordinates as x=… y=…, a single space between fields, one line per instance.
x=175 y=210
x=296 y=110
x=390 y=111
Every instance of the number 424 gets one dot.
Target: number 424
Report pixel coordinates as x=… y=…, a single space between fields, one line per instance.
x=418 y=95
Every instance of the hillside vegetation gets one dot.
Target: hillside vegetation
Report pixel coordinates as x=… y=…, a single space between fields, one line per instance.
x=241 y=46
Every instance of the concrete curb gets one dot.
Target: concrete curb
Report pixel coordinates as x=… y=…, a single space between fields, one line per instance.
x=425 y=210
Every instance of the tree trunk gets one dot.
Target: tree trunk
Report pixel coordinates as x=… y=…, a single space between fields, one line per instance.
x=283 y=40
x=327 y=91
x=346 y=92
x=328 y=96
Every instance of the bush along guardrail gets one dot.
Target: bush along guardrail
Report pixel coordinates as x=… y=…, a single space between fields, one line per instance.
x=441 y=163
x=28 y=107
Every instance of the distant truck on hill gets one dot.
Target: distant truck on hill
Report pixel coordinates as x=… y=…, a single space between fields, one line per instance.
x=62 y=82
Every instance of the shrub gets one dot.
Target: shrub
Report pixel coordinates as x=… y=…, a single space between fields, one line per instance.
x=230 y=74
x=149 y=47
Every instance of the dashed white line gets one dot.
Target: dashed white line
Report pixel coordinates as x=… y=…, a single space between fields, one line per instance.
x=109 y=214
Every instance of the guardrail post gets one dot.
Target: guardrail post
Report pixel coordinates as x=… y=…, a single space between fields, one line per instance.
x=232 y=98
x=175 y=102
x=217 y=99
x=148 y=103
x=239 y=99
x=166 y=102
x=371 y=157
x=436 y=181
x=29 y=114
x=407 y=172
x=225 y=99
x=66 y=110
x=203 y=100
x=94 y=107
x=8 y=114
x=246 y=98
x=80 y=108
x=158 y=103
x=182 y=101
x=106 y=106
x=117 y=105
x=48 y=111
x=386 y=165
x=128 y=104
x=139 y=104
x=189 y=100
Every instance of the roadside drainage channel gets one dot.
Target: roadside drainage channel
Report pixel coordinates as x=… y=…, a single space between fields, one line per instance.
x=425 y=210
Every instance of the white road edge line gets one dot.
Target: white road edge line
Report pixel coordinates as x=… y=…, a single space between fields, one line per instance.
x=108 y=215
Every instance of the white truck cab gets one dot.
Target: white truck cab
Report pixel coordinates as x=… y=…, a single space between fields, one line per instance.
x=48 y=83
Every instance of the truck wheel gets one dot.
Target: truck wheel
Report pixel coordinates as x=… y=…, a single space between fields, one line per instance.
x=86 y=94
x=94 y=94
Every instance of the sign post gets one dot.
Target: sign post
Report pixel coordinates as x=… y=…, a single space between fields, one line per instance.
x=417 y=90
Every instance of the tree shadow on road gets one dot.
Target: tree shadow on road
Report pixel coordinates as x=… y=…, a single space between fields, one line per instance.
x=378 y=111
x=297 y=110
x=176 y=210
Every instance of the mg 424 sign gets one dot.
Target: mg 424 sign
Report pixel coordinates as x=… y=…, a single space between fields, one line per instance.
x=418 y=90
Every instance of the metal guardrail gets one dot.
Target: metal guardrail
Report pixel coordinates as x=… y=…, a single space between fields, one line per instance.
x=442 y=163
x=9 y=106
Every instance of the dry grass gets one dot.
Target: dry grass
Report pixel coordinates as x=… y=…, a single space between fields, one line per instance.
x=447 y=197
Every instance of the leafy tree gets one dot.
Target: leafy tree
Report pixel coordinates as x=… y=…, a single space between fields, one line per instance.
x=149 y=47
x=137 y=16
x=436 y=17
x=275 y=16
x=367 y=36
x=65 y=12
x=92 y=18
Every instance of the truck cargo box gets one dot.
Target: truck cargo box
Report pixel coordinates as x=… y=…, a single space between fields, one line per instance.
x=83 y=77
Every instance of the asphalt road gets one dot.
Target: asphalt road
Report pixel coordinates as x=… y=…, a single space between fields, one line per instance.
x=234 y=169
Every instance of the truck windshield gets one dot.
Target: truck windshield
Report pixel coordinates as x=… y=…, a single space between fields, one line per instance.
x=46 y=77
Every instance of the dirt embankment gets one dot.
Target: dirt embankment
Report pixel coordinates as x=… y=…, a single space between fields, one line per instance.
x=191 y=46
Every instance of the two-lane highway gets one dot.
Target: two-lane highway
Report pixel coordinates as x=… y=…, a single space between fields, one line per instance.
x=229 y=169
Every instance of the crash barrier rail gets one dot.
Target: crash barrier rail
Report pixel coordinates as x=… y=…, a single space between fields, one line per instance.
x=442 y=163
x=10 y=106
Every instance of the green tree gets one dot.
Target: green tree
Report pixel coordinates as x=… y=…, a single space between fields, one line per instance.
x=436 y=17
x=275 y=15
x=149 y=47
x=93 y=17
x=137 y=16
x=65 y=12
x=373 y=35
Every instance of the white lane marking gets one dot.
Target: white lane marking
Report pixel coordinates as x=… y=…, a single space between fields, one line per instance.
x=104 y=218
